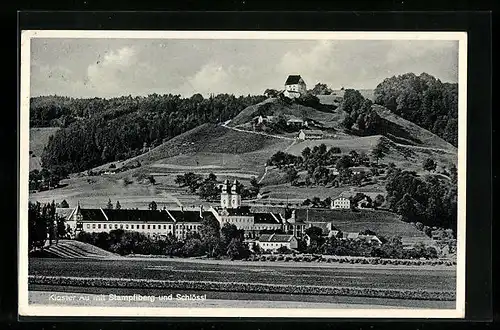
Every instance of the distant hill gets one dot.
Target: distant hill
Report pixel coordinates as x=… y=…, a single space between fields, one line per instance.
x=39 y=137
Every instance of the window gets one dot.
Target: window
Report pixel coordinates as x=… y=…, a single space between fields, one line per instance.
x=88 y=226
x=154 y=227
x=98 y=226
x=116 y=226
x=131 y=226
x=164 y=226
x=93 y=226
x=149 y=227
x=105 y=226
x=121 y=226
x=143 y=226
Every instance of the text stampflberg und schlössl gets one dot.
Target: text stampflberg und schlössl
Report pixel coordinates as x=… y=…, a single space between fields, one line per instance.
x=129 y=298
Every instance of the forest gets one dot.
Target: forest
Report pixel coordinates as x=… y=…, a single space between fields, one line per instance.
x=97 y=131
x=423 y=100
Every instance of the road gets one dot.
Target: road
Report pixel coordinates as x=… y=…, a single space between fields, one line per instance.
x=258 y=133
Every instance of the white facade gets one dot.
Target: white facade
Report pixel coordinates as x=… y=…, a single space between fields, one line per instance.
x=273 y=242
x=310 y=135
x=295 y=86
x=341 y=203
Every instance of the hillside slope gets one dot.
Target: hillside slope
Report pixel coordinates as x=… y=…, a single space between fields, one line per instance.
x=71 y=249
x=273 y=107
x=39 y=137
x=405 y=132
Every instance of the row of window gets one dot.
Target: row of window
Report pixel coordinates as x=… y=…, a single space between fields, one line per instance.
x=122 y=226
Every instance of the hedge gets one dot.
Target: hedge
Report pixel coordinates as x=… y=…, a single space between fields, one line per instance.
x=241 y=287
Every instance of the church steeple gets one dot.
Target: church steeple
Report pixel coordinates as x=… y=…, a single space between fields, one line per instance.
x=225 y=196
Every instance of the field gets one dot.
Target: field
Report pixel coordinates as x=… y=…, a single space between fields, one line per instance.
x=297 y=275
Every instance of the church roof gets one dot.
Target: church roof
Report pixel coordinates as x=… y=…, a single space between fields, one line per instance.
x=293 y=79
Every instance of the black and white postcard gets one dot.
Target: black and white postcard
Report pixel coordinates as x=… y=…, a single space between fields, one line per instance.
x=242 y=174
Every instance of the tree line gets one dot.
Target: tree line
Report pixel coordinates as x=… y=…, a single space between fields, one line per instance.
x=44 y=224
x=96 y=131
x=430 y=200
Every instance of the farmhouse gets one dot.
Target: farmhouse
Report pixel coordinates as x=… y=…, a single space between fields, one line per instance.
x=297 y=122
x=275 y=241
x=264 y=119
x=341 y=203
x=294 y=86
x=310 y=135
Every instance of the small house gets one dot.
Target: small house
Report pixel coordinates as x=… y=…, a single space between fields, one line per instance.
x=310 y=135
x=341 y=203
x=275 y=241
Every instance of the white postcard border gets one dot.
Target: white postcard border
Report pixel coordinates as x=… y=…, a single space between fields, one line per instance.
x=26 y=309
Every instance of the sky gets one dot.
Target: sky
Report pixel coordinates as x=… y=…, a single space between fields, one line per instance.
x=107 y=68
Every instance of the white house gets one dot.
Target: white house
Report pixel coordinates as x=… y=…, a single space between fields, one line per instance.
x=310 y=135
x=294 y=86
x=274 y=241
x=297 y=122
x=264 y=119
x=341 y=203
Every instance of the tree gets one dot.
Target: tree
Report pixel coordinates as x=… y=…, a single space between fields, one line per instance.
x=210 y=234
x=306 y=152
x=118 y=206
x=271 y=92
x=152 y=180
x=228 y=233
x=109 y=206
x=152 y=206
x=209 y=189
x=236 y=249
x=379 y=200
x=321 y=89
x=64 y=204
x=379 y=151
x=292 y=175
x=429 y=165
x=344 y=162
x=453 y=174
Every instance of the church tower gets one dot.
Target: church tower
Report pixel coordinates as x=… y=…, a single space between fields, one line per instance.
x=235 y=196
x=225 y=196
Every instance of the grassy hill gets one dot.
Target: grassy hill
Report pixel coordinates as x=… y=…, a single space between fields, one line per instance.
x=39 y=137
x=405 y=132
x=273 y=107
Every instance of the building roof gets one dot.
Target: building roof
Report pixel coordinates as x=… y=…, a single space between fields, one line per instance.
x=325 y=226
x=293 y=79
x=279 y=238
x=359 y=168
x=265 y=218
x=124 y=215
x=312 y=132
x=240 y=211
x=93 y=215
x=295 y=120
x=187 y=216
x=340 y=197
